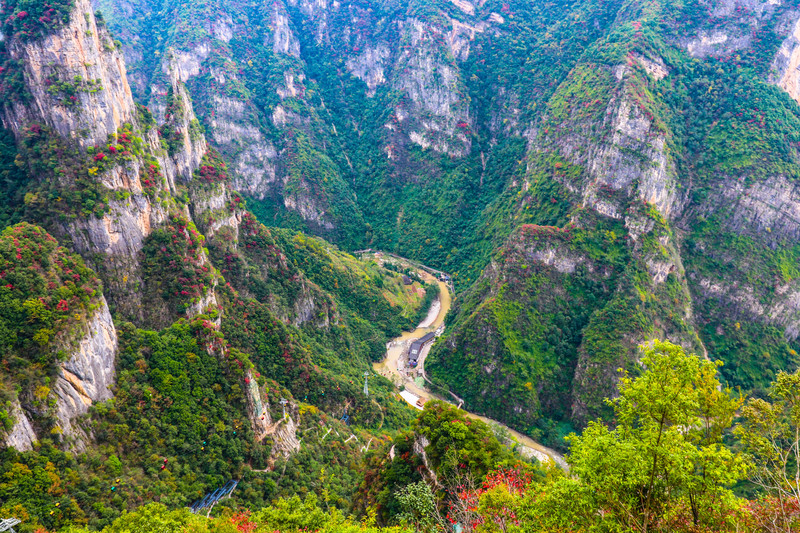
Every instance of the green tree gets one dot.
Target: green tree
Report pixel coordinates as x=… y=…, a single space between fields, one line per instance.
x=458 y=443
x=419 y=508
x=770 y=433
x=663 y=465
x=498 y=506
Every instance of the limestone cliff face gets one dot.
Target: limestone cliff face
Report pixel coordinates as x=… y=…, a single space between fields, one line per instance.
x=439 y=112
x=785 y=71
x=232 y=123
x=629 y=156
x=284 y=437
x=385 y=48
x=213 y=208
x=282 y=432
x=253 y=159
x=172 y=107
x=22 y=435
x=81 y=53
x=257 y=407
x=85 y=378
x=370 y=66
x=88 y=375
x=736 y=24
x=767 y=211
x=284 y=41
x=769 y=208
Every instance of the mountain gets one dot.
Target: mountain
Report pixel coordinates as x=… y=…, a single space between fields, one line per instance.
x=183 y=184
x=593 y=174
x=147 y=313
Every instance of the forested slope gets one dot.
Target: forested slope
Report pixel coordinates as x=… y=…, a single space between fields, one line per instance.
x=596 y=174
x=151 y=323
x=661 y=134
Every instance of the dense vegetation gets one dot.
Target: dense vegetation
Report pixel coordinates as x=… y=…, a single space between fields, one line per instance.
x=178 y=425
x=47 y=294
x=591 y=185
x=555 y=74
x=648 y=473
x=31 y=19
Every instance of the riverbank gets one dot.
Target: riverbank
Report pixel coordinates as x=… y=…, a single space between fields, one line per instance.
x=393 y=365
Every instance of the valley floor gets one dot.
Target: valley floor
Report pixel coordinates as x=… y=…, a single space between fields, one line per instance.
x=394 y=368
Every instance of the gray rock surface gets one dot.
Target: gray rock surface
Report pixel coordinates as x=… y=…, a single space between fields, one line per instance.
x=22 y=436
x=88 y=375
x=81 y=48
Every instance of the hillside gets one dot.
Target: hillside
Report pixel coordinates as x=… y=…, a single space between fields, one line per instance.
x=441 y=129
x=152 y=323
x=612 y=185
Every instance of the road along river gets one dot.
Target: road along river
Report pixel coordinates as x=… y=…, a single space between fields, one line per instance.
x=393 y=366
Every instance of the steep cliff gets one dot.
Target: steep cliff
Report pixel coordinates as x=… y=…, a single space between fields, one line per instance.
x=192 y=353
x=595 y=174
x=687 y=169
x=74 y=80
x=128 y=168
x=21 y=436
x=60 y=340
x=404 y=93
x=87 y=376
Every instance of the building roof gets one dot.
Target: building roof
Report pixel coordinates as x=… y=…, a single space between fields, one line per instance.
x=416 y=346
x=427 y=337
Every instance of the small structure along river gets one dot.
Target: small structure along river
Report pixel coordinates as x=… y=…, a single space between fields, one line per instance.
x=394 y=366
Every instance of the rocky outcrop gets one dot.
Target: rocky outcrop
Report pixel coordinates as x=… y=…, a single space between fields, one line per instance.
x=311 y=307
x=121 y=232
x=438 y=114
x=370 y=65
x=284 y=40
x=84 y=379
x=111 y=245
x=631 y=159
x=87 y=376
x=785 y=68
x=418 y=447
x=736 y=26
x=282 y=432
x=768 y=209
x=173 y=110
x=253 y=159
x=22 y=435
x=257 y=407
x=562 y=262
x=308 y=207
x=284 y=438
x=81 y=54
x=212 y=209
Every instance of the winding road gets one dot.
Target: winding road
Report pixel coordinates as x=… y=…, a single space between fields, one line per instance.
x=393 y=366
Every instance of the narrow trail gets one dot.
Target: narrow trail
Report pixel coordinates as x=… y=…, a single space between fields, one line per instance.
x=393 y=365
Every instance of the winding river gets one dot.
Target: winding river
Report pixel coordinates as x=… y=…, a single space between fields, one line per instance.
x=392 y=367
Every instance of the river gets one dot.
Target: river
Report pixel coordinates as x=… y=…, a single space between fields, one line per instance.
x=392 y=367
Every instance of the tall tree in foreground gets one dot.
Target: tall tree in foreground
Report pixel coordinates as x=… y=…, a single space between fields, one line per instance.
x=770 y=433
x=663 y=467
